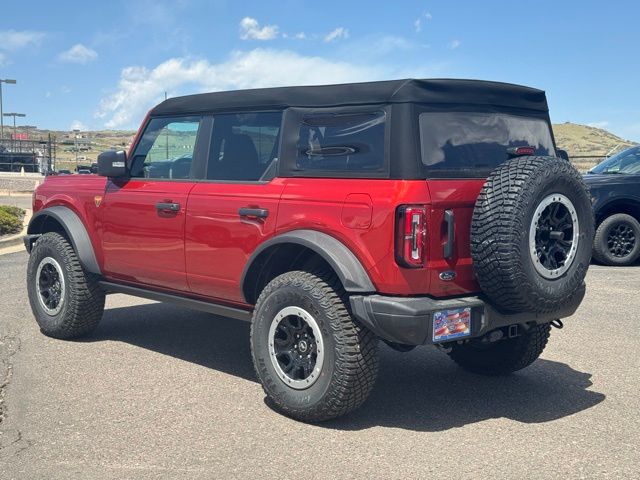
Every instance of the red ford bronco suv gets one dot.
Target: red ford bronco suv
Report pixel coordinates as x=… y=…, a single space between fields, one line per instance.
x=418 y=212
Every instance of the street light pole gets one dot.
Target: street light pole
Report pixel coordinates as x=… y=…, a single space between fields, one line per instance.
x=7 y=81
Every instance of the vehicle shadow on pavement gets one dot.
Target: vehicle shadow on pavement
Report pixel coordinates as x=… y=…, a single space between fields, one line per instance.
x=422 y=390
x=426 y=391
x=198 y=337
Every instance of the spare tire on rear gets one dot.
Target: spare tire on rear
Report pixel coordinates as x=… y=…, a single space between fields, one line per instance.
x=531 y=234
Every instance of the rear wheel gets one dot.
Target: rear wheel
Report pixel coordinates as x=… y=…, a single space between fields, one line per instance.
x=617 y=240
x=66 y=301
x=504 y=356
x=313 y=360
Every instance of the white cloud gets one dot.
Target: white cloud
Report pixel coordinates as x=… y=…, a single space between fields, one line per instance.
x=78 y=54
x=11 y=40
x=417 y=24
x=140 y=88
x=454 y=44
x=600 y=124
x=250 y=30
x=296 y=36
x=337 y=34
x=78 y=125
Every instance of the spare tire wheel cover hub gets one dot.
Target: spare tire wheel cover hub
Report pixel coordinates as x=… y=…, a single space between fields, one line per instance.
x=553 y=236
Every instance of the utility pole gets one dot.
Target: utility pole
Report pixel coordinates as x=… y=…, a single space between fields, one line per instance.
x=75 y=146
x=55 y=156
x=166 y=136
x=51 y=165
x=7 y=81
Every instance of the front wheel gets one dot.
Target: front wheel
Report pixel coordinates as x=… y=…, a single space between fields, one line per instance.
x=504 y=356
x=66 y=301
x=617 y=240
x=314 y=361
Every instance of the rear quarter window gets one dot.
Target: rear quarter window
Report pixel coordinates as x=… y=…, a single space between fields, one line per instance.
x=472 y=144
x=345 y=142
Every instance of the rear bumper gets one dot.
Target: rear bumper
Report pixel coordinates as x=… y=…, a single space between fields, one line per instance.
x=409 y=320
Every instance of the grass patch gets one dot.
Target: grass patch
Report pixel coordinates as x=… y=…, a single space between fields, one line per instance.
x=10 y=219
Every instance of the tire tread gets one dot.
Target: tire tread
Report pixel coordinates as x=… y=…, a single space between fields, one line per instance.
x=356 y=347
x=85 y=298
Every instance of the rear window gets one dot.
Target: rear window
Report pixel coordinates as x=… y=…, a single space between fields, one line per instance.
x=472 y=144
x=341 y=142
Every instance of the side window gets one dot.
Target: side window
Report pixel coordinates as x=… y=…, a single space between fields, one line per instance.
x=244 y=146
x=341 y=142
x=166 y=148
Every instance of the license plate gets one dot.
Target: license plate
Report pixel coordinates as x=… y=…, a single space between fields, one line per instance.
x=451 y=324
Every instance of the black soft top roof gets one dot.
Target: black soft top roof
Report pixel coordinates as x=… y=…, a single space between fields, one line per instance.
x=432 y=91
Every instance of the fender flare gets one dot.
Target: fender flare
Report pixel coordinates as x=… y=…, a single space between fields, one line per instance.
x=604 y=205
x=350 y=271
x=73 y=227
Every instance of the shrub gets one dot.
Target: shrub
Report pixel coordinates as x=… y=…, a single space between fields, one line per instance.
x=13 y=211
x=10 y=223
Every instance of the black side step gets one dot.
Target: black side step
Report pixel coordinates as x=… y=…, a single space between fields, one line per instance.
x=216 y=309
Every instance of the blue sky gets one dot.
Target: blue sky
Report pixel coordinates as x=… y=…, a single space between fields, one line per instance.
x=104 y=64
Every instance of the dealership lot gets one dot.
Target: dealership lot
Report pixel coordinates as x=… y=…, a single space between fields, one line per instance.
x=162 y=391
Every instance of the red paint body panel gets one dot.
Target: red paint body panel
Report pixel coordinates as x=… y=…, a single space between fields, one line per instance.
x=203 y=249
x=218 y=242
x=460 y=197
x=78 y=193
x=313 y=203
x=141 y=244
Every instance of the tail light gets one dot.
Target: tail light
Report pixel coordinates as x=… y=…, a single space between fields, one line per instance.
x=411 y=230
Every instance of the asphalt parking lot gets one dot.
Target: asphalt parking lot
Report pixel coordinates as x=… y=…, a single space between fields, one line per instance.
x=163 y=392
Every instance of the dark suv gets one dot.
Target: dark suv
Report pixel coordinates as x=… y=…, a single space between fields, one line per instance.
x=614 y=185
x=418 y=212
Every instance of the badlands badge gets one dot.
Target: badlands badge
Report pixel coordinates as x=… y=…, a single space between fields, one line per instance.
x=97 y=200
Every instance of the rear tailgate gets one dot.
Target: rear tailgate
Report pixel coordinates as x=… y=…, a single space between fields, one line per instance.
x=452 y=275
x=459 y=150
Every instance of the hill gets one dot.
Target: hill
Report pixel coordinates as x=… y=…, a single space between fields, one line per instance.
x=582 y=141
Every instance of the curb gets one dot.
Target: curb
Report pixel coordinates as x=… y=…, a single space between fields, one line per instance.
x=16 y=239
x=16 y=193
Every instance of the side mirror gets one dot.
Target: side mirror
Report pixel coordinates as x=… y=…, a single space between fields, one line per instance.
x=562 y=154
x=112 y=164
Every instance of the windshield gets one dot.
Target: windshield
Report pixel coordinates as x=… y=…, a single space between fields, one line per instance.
x=627 y=161
x=474 y=143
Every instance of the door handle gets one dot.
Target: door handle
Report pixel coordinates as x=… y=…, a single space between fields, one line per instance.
x=168 y=207
x=253 y=212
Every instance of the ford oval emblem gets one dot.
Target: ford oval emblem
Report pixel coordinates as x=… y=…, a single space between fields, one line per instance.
x=447 y=276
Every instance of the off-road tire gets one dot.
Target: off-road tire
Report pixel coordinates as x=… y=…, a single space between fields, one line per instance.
x=83 y=300
x=500 y=226
x=350 y=363
x=601 y=251
x=504 y=356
